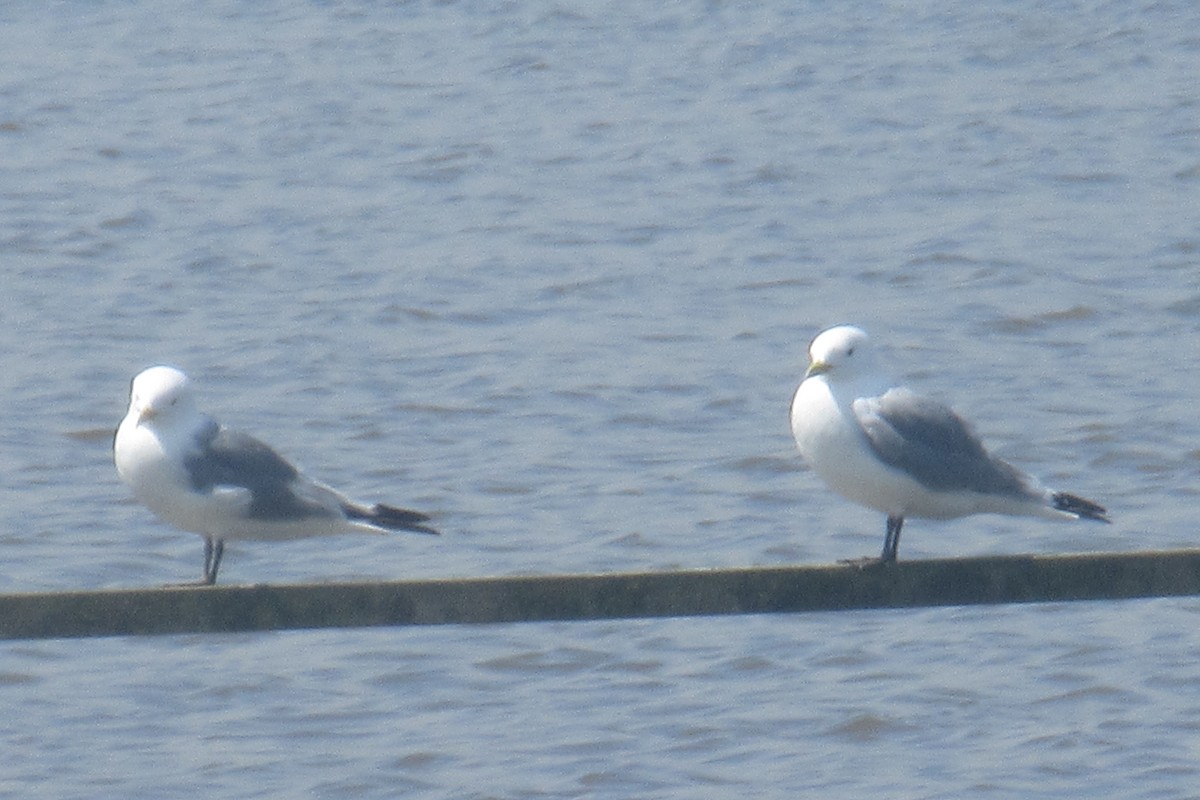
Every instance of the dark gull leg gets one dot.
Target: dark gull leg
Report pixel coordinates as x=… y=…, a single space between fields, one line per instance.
x=213 y=550
x=891 y=542
x=208 y=550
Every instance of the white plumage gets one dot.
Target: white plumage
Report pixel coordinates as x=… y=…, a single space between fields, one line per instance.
x=224 y=485
x=898 y=452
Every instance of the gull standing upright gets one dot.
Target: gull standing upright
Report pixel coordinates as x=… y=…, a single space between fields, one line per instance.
x=906 y=455
x=202 y=477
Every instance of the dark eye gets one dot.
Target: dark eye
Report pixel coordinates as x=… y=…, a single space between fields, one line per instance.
x=850 y=352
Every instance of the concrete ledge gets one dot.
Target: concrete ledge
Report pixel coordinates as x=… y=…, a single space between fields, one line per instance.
x=942 y=582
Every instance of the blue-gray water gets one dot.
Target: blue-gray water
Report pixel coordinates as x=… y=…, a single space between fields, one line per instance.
x=548 y=271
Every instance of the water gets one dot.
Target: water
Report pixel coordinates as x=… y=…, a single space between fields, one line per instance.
x=549 y=272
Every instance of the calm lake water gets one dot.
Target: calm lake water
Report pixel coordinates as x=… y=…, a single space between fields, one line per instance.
x=548 y=271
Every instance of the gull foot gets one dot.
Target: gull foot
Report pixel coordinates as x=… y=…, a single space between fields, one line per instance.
x=866 y=562
x=187 y=584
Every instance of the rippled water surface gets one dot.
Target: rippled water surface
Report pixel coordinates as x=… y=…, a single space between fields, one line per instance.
x=548 y=271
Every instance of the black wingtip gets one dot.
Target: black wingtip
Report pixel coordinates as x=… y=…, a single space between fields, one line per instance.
x=1084 y=509
x=400 y=519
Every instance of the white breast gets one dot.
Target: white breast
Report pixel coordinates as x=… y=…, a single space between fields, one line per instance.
x=835 y=448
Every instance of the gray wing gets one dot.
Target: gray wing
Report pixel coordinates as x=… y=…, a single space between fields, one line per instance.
x=225 y=458
x=927 y=440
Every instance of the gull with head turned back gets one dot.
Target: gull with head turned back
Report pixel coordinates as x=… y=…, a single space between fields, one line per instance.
x=901 y=453
x=202 y=477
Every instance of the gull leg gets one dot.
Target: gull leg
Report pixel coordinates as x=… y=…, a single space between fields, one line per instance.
x=208 y=551
x=891 y=542
x=213 y=550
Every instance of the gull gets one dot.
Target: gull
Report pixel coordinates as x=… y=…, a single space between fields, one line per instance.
x=200 y=476
x=901 y=453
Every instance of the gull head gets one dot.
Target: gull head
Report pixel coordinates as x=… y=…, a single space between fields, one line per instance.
x=160 y=393
x=843 y=351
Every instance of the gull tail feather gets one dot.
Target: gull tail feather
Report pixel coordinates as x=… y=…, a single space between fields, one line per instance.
x=390 y=517
x=1081 y=508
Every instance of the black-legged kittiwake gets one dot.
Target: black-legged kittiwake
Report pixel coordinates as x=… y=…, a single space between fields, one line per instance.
x=202 y=477
x=898 y=452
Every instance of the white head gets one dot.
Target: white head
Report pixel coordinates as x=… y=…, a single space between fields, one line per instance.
x=843 y=353
x=161 y=394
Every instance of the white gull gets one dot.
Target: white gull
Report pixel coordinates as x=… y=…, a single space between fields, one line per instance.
x=202 y=477
x=898 y=452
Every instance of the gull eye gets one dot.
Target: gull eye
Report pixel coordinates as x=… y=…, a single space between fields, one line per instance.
x=850 y=352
